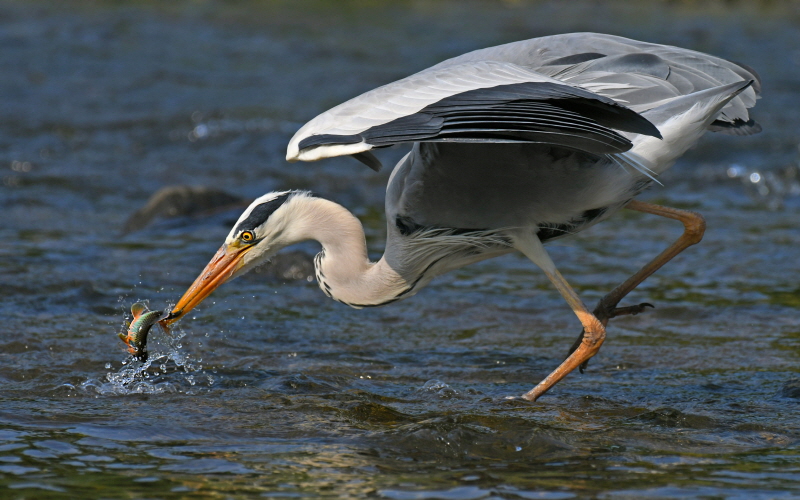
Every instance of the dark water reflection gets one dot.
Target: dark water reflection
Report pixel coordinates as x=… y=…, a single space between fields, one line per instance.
x=271 y=389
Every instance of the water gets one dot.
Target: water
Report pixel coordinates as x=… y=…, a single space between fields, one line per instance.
x=272 y=390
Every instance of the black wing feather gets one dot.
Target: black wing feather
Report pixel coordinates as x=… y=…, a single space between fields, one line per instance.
x=524 y=112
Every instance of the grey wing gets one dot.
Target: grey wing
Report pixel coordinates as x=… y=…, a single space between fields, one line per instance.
x=639 y=75
x=482 y=101
x=570 y=90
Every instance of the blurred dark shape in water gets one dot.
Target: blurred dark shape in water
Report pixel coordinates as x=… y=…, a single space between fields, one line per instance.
x=670 y=417
x=791 y=389
x=182 y=201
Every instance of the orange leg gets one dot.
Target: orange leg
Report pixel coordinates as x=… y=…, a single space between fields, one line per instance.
x=594 y=331
x=693 y=228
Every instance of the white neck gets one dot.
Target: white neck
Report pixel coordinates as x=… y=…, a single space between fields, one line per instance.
x=343 y=269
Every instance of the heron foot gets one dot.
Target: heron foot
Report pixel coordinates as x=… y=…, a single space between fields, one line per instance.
x=591 y=340
x=604 y=315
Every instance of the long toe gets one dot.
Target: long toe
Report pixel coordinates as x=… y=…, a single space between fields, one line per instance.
x=630 y=310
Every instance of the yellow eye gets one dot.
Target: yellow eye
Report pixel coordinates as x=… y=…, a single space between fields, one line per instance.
x=247 y=236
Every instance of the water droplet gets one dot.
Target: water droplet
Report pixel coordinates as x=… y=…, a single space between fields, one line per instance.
x=735 y=170
x=755 y=177
x=108 y=366
x=21 y=166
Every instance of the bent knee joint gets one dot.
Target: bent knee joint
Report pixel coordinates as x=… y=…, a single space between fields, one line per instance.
x=694 y=228
x=594 y=332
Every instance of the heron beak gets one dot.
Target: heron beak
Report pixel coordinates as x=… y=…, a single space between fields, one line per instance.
x=220 y=269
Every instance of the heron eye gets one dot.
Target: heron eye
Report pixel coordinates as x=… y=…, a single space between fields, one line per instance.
x=247 y=236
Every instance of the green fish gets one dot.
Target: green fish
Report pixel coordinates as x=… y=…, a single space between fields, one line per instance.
x=136 y=337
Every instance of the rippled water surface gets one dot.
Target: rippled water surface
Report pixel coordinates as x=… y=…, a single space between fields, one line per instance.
x=270 y=389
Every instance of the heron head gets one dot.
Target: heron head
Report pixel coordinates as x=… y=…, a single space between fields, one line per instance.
x=260 y=232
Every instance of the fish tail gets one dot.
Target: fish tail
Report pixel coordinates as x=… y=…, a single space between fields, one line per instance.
x=137 y=310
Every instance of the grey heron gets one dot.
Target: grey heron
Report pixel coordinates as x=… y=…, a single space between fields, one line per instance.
x=511 y=147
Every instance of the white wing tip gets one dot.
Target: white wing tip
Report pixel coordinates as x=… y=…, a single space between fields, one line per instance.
x=294 y=154
x=292 y=151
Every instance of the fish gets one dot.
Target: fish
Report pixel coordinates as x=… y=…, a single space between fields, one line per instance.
x=136 y=336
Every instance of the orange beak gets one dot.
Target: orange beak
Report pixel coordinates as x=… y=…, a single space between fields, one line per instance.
x=220 y=269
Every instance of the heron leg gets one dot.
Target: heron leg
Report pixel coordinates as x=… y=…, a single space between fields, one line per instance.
x=693 y=228
x=594 y=331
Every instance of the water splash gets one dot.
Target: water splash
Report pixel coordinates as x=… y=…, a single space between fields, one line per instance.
x=439 y=389
x=167 y=369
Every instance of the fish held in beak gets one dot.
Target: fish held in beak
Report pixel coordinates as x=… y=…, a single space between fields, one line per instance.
x=136 y=336
x=220 y=269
